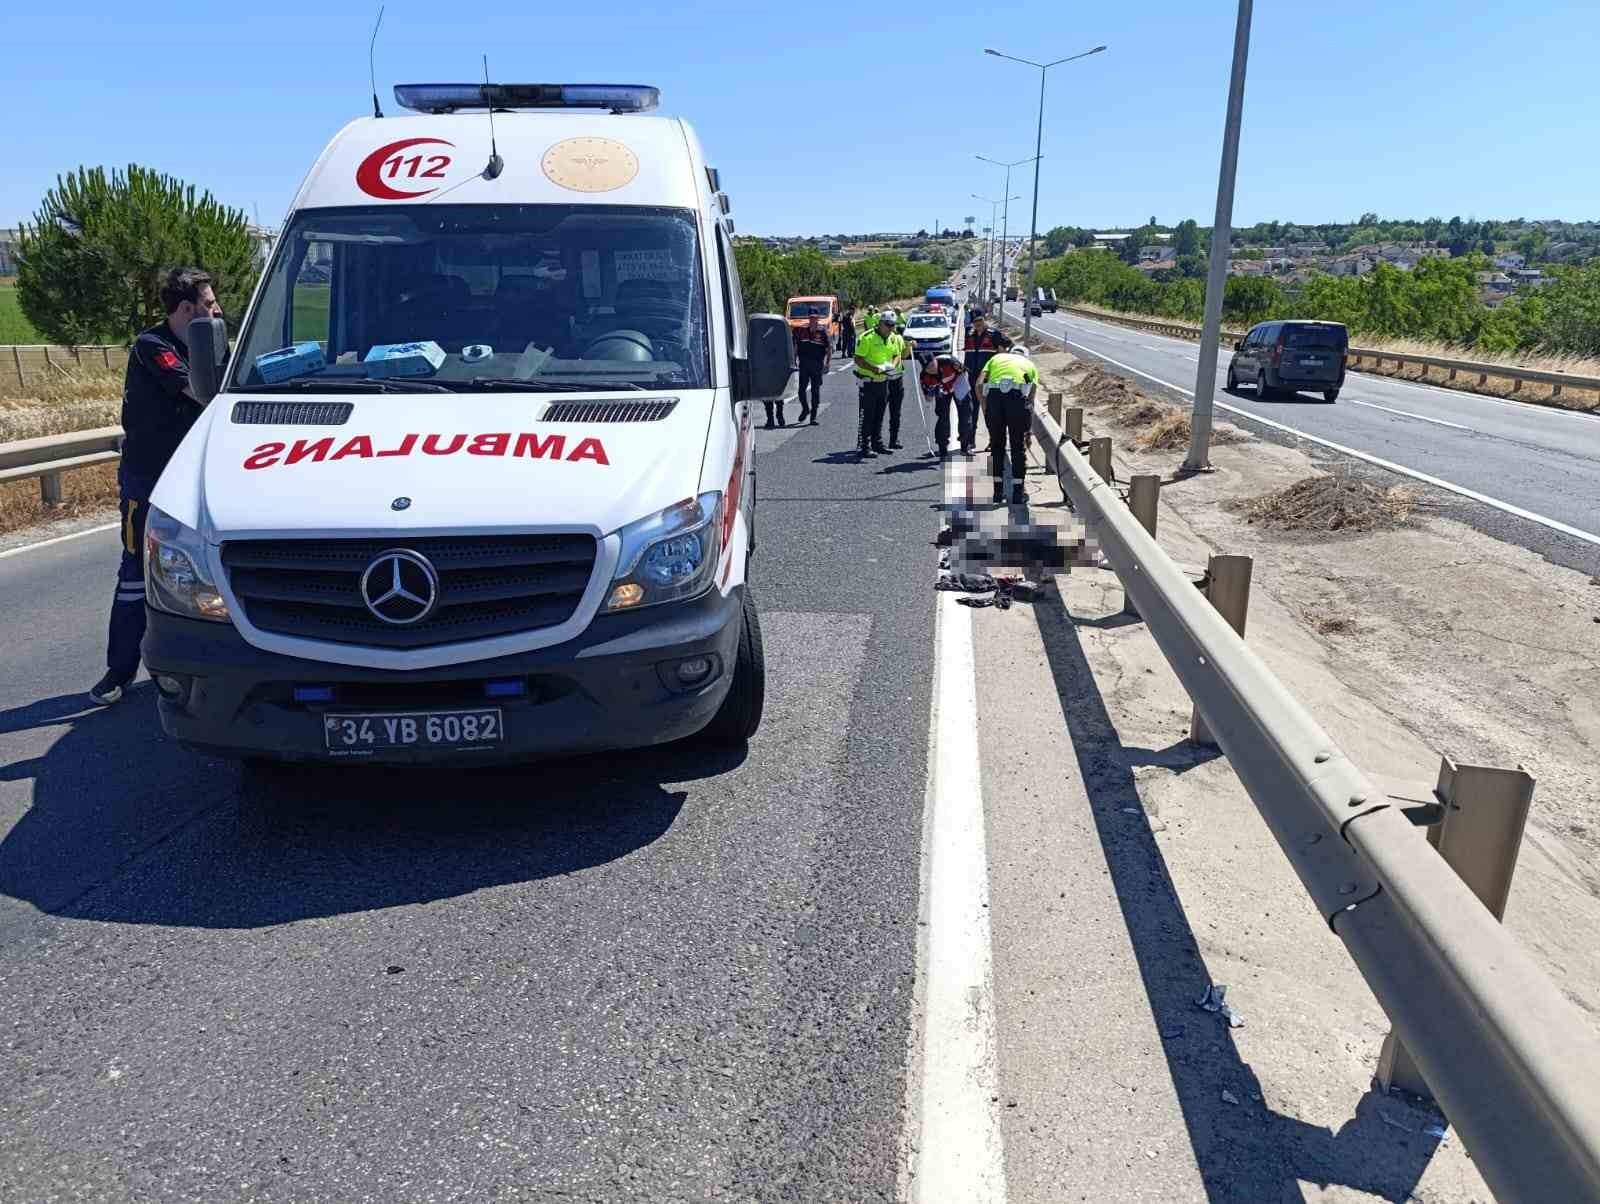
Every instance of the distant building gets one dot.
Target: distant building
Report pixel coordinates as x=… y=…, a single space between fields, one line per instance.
x=1111 y=238
x=8 y=252
x=1510 y=259
x=1147 y=254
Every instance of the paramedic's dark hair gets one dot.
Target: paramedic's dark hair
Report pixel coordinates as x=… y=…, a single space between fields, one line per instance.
x=182 y=284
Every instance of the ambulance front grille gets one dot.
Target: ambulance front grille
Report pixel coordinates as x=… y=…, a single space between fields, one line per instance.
x=653 y=409
x=489 y=585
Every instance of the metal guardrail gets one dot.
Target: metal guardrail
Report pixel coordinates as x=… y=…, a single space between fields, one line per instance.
x=50 y=455
x=1354 y=356
x=1514 y=1064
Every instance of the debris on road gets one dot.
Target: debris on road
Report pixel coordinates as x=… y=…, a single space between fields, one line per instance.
x=1229 y=1097
x=1213 y=1001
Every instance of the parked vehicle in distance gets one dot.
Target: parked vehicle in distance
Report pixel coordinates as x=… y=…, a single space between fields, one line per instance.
x=1011 y=292
x=800 y=310
x=940 y=295
x=1048 y=300
x=930 y=332
x=1286 y=357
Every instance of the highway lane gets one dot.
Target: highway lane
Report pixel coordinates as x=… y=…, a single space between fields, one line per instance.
x=1532 y=458
x=662 y=975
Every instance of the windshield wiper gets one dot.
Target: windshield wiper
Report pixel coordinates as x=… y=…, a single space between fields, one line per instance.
x=536 y=385
x=333 y=384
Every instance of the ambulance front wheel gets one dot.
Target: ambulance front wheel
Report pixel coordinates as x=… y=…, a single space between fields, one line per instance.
x=740 y=714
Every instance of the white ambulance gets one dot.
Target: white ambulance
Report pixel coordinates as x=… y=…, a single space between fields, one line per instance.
x=477 y=481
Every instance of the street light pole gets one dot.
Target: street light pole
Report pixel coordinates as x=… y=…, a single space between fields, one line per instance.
x=1205 y=381
x=1038 y=152
x=988 y=250
x=1005 y=223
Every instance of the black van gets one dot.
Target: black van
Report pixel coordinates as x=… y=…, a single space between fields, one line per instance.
x=1286 y=357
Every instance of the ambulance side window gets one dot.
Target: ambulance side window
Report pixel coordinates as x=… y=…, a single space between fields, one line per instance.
x=732 y=295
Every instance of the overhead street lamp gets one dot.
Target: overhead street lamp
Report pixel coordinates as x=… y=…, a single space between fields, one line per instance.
x=1038 y=151
x=1005 y=223
x=988 y=246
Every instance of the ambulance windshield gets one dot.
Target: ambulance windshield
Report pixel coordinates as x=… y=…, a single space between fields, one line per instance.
x=468 y=297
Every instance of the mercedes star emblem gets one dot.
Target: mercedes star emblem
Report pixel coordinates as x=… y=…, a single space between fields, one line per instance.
x=400 y=503
x=400 y=587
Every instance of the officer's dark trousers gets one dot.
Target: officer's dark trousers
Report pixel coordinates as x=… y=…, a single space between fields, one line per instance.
x=810 y=375
x=1007 y=415
x=894 y=400
x=847 y=340
x=774 y=412
x=127 y=605
x=966 y=419
x=873 y=395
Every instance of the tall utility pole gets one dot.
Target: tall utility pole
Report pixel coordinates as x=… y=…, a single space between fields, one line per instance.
x=1205 y=380
x=1038 y=152
x=1005 y=224
x=988 y=249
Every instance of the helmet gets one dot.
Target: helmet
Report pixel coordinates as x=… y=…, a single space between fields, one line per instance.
x=1017 y=349
x=889 y=316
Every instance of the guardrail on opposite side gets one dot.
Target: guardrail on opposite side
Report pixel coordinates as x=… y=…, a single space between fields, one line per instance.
x=1514 y=1064
x=1356 y=356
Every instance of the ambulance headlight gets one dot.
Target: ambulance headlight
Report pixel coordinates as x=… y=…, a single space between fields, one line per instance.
x=175 y=575
x=670 y=555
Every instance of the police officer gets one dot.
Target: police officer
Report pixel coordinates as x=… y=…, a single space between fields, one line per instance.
x=847 y=332
x=895 y=396
x=944 y=379
x=811 y=351
x=876 y=357
x=1005 y=391
x=157 y=411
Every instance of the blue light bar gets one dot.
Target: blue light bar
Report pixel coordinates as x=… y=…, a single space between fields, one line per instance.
x=510 y=687
x=313 y=693
x=452 y=98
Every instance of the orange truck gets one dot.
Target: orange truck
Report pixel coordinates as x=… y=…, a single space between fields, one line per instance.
x=825 y=309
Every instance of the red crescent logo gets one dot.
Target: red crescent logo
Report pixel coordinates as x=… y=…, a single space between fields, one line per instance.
x=368 y=180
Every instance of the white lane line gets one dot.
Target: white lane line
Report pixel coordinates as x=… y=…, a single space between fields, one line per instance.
x=45 y=543
x=1414 y=474
x=956 y=1152
x=1372 y=405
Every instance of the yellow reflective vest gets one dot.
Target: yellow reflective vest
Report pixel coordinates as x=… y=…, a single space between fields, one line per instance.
x=882 y=353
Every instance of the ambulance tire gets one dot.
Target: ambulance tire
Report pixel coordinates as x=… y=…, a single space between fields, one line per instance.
x=740 y=714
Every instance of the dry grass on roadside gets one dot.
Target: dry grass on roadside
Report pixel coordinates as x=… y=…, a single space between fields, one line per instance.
x=70 y=401
x=1333 y=624
x=1337 y=502
x=83 y=491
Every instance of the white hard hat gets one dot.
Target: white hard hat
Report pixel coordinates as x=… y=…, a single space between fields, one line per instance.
x=1017 y=349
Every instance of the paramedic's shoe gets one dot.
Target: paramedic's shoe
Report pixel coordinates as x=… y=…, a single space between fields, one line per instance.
x=108 y=690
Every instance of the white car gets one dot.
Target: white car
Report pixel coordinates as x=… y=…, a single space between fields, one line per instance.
x=478 y=481
x=929 y=333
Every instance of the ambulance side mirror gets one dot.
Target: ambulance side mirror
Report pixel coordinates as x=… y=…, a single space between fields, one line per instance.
x=767 y=370
x=208 y=351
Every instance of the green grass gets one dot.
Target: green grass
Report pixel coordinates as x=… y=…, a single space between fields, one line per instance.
x=14 y=328
x=311 y=312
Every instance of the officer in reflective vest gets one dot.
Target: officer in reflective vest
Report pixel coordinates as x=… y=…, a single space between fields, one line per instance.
x=1005 y=391
x=877 y=356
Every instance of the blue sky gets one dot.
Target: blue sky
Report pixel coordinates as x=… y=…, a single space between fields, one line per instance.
x=843 y=117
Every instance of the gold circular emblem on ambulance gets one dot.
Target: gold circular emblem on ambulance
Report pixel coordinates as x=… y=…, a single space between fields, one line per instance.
x=590 y=164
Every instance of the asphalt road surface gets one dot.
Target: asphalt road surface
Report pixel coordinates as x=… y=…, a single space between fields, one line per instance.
x=666 y=975
x=1515 y=456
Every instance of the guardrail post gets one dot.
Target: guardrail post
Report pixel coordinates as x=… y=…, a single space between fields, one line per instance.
x=1072 y=423
x=50 y=488
x=1100 y=457
x=1227 y=588
x=1053 y=404
x=1479 y=834
x=1144 y=495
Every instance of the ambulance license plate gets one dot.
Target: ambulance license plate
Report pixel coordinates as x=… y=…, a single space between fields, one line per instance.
x=359 y=735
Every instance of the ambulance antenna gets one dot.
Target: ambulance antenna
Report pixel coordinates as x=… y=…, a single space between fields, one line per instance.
x=372 y=74
x=496 y=163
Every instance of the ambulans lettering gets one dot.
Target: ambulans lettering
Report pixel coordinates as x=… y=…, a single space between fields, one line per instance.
x=525 y=445
x=264 y=456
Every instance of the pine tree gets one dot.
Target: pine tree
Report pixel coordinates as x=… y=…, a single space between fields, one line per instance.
x=91 y=265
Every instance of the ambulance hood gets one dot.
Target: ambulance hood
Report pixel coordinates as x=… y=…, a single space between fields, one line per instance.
x=462 y=463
